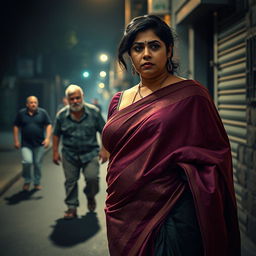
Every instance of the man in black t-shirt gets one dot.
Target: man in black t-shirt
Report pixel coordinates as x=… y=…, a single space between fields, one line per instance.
x=35 y=126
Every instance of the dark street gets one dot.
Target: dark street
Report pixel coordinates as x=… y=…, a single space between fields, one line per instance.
x=32 y=222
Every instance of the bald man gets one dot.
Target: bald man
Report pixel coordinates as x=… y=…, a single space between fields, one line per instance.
x=35 y=126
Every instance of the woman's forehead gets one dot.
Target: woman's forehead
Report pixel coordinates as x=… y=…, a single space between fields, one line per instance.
x=146 y=36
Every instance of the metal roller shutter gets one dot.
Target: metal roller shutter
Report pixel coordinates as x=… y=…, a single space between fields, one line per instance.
x=231 y=83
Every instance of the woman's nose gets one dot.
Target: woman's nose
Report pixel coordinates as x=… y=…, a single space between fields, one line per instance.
x=146 y=53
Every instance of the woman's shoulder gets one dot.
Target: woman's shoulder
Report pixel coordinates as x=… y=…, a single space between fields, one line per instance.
x=194 y=87
x=114 y=103
x=115 y=99
x=199 y=88
x=130 y=90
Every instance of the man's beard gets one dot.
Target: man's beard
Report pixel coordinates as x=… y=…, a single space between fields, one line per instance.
x=75 y=107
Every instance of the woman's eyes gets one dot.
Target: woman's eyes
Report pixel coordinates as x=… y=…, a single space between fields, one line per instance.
x=139 y=48
x=154 y=46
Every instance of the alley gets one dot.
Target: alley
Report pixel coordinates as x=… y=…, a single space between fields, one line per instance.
x=32 y=223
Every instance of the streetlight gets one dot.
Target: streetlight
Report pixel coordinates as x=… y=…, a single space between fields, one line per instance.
x=86 y=74
x=101 y=85
x=103 y=74
x=103 y=57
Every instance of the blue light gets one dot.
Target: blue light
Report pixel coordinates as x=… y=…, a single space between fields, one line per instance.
x=86 y=74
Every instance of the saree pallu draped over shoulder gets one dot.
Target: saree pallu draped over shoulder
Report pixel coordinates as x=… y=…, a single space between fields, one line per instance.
x=177 y=125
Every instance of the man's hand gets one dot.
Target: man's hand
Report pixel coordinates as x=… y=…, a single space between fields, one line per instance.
x=56 y=158
x=46 y=143
x=103 y=155
x=17 y=144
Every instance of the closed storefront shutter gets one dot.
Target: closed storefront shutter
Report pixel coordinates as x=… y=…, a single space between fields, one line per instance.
x=231 y=82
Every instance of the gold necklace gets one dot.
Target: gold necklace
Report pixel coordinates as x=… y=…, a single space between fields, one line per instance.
x=161 y=84
x=135 y=95
x=140 y=85
x=138 y=92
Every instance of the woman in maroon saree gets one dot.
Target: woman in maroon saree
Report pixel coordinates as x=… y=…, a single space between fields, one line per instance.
x=170 y=182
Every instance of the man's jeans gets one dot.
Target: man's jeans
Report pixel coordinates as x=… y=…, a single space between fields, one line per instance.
x=72 y=173
x=32 y=157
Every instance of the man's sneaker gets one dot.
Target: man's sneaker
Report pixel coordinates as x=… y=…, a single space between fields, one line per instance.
x=70 y=214
x=91 y=203
x=26 y=187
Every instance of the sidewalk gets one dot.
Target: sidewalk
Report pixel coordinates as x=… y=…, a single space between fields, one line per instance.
x=10 y=161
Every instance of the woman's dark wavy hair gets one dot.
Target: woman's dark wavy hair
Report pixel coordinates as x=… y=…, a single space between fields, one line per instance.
x=140 y=24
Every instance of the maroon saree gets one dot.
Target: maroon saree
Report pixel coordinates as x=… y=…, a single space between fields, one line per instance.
x=177 y=125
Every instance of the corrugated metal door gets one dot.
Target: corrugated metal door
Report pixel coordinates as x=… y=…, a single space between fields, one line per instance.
x=230 y=84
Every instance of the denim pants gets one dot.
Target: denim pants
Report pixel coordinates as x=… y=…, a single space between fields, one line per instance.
x=32 y=158
x=90 y=171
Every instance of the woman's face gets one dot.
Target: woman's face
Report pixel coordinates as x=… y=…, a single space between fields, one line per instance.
x=149 y=54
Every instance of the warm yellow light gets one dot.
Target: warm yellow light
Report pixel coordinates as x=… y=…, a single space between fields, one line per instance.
x=103 y=74
x=103 y=57
x=101 y=85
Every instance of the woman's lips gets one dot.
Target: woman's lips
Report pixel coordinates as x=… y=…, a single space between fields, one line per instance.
x=147 y=65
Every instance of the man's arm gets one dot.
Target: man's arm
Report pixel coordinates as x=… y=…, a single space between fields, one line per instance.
x=16 y=136
x=103 y=155
x=48 y=132
x=56 y=140
x=55 y=149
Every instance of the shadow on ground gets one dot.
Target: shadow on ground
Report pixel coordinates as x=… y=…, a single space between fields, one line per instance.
x=22 y=196
x=68 y=233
